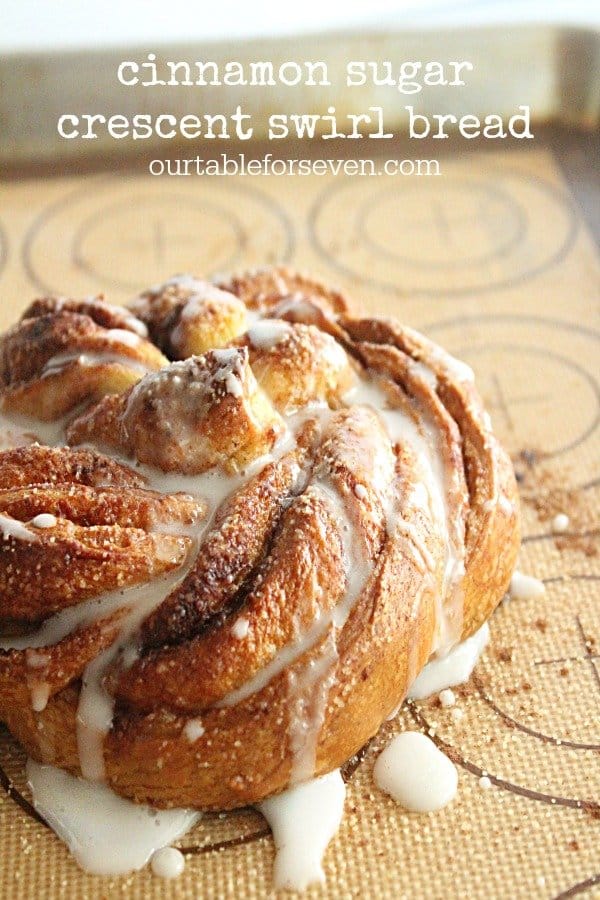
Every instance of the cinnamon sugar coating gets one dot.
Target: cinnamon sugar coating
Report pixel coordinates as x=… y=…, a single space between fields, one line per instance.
x=333 y=480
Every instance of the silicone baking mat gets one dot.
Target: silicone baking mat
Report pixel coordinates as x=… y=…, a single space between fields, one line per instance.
x=494 y=260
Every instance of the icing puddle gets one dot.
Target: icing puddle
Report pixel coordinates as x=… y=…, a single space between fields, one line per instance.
x=106 y=834
x=303 y=821
x=122 y=836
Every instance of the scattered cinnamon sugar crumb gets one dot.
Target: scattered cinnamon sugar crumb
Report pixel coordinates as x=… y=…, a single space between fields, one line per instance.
x=541 y=625
x=573 y=845
x=504 y=654
x=563 y=671
x=591 y=808
x=545 y=491
x=583 y=542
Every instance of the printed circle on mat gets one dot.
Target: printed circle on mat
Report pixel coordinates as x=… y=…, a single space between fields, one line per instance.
x=125 y=234
x=443 y=236
x=538 y=378
x=536 y=690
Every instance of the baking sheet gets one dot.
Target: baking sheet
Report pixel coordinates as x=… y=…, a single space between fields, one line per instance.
x=495 y=261
x=553 y=68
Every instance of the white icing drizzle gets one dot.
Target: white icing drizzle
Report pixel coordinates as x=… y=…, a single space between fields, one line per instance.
x=87 y=360
x=425 y=373
x=44 y=520
x=308 y=692
x=39 y=691
x=309 y=688
x=267 y=333
x=300 y=308
x=193 y=730
x=37 y=660
x=168 y=862
x=96 y=705
x=284 y=658
x=106 y=834
x=526 y=587
x=204 y=295
x=240 y=628
x=122 y=336
x=12 y=528
x=303 y=820
x=133 y=322
x=447 y=698
x=505 y=505
x=356 y=573
x=438 y=484
x=71 y=618
x=416 y=773
x=17 y=430
x=453 y=668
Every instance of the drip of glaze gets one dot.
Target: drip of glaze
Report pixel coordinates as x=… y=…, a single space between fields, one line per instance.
x=299 y=309
x=267 y=333
x=60 y=362
x=308 y=692
x=122 y=336
x=356 y=565
x=303 y=820
x=439 y=484
x=240 y=628
x=106 y=834
x=415 y=773
x=44 y=520
x=17 y=430
x=193 y=730
x=96 y=706
x=453 y=668
x=310 y=687
x=525 y=587
x=168 y=862
x=12 y=528
x=71 y=618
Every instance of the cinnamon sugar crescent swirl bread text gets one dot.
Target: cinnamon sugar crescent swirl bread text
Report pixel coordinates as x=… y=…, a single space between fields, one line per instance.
x=229 y=567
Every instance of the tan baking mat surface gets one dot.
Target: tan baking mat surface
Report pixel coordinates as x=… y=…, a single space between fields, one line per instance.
x=493 y=260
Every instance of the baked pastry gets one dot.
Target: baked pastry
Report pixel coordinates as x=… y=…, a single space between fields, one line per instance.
x=242 y=560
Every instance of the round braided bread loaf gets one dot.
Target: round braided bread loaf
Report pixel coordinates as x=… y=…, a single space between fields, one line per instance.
x=222 y=568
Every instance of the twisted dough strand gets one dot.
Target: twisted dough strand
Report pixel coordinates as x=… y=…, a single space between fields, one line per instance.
x=316 y=502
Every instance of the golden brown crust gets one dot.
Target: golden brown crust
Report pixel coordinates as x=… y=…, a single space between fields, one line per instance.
x=188 y=316
x=270 y=620
x=265 y=289
x=52 y=362
x=95 y=308
x=190 y=417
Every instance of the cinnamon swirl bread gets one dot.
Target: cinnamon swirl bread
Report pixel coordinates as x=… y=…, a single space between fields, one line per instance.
x=223 y=567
